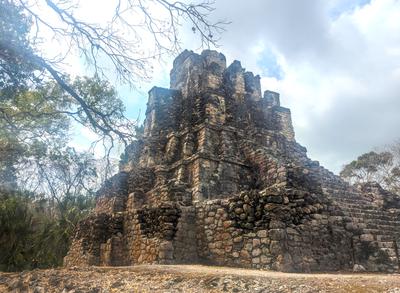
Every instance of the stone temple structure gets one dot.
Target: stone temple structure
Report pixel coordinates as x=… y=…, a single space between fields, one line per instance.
x=217 y=177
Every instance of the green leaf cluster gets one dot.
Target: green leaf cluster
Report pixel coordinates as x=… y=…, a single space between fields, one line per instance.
x=381 y=167
x=33 y=233
x=46 y=187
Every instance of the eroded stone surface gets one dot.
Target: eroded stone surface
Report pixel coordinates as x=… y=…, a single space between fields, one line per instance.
x=218 y=178
x=191 y=278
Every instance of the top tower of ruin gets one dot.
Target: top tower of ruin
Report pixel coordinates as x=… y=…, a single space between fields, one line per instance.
x=193 y=131
x=211 y=93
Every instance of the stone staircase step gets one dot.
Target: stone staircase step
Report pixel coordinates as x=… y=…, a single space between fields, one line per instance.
x=377 y=232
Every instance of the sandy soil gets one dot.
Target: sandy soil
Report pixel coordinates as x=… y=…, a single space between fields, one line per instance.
x=190 y=278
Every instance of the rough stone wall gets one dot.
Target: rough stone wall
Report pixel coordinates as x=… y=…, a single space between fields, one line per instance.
x=217 y=177
x=88 y=247
x=274 y=229
x=149 y=234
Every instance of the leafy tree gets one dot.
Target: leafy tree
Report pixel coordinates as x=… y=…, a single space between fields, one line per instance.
x=382 y=167
x=34 y=126
x=36 y=227
x=61 y=173
x=35 y=117
x=56 y=222
x=116 y=41
x=15 y=231
x=366 y=167
x=33 y=234
x=15 y=71
x=9 y=150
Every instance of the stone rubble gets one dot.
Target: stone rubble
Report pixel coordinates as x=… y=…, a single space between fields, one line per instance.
x=190 y=278
x=218 y=178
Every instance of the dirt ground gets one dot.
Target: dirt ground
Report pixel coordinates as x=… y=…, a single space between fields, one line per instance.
x=190 y=278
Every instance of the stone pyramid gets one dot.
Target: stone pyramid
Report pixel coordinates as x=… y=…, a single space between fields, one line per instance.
x=218 y=178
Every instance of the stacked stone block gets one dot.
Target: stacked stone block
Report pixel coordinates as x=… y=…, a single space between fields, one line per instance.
x=218 y=178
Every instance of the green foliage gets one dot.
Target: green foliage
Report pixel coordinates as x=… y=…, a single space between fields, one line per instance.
x=38 y=107
x=47 y=110
x=36 y=227
x=367 y=165
x=34 y=115
x=34 y=127
x=15 y=71
x=46 y=187
x=102 y=100
x=15 y=231
x=63 y=173
x=55 y=228
x=36 y=232
x=9 y=150
x=383 y=168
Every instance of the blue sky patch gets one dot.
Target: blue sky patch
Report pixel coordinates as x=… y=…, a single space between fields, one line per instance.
x=269 y=65
x=346 y=6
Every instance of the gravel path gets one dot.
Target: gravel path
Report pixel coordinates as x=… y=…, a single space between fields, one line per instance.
x=190 y=278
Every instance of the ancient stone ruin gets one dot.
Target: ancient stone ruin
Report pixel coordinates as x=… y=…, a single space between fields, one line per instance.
x=218 y=178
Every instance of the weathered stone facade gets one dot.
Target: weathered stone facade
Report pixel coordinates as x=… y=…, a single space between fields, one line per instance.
x=218 y=178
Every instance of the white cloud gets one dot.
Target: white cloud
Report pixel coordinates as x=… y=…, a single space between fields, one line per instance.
x=339 y=61
x=340 y=68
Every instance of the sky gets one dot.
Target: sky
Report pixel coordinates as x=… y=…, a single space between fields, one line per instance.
x=335 y=63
